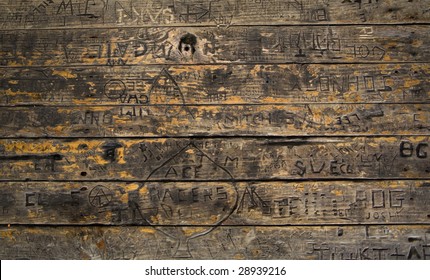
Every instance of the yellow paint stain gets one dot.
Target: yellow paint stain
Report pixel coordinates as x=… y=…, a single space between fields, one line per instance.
x=391 y=140
x=13 y=82
x=148 y=230
x=59 y=128
x=299 y=188
x=121 y=152
x=373 y=144
x=7 y=234
x=411 y=83
x=100 y=160
x=124 y=174
x=9 y=92
x=143 y=191
x=64 y=74
x=26 y=147
x=386 y=58
x=254 y=71
x=239 y=257
x=124 y=198
x=235 y=100
x=420 y=139
x=118 y=120
x=24 y=164
x=190 y=231
x=131 y=187
x=337 y=192
x=155 y=219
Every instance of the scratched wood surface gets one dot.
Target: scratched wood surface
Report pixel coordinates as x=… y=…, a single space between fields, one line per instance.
x=91 y=13
x=247 y=242
x=98 y=13
x=215 y=159
x=179 y=120
x=209 y=45
x=204 y=204
x=217 y=84
x=228 y=129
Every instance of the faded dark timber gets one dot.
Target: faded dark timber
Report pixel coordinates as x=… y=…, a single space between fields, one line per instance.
x=229 y=129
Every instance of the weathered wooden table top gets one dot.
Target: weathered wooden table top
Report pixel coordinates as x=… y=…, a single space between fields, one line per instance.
x=222 y=129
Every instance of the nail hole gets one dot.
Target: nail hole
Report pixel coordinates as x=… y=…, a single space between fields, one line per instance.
x=188 y=42
x=83 y=173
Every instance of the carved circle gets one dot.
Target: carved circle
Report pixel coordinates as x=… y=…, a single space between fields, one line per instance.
x=114 y=89
x=100 y=196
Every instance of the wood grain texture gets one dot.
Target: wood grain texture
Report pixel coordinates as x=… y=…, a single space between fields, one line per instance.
x=226 y=120
x=335 y=242
x=217 y=84
x=176 y=45
x=214 y=203
x=221 y=129
x=213 y=159
x=97 y=13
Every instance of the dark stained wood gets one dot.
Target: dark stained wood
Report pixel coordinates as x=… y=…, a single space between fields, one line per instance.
x=214 y=159
x=218 y=84
x=208 y=203
x=222 y=129
x=228 y=120
x=327 y=242
x=191 y=45
x=97 y=13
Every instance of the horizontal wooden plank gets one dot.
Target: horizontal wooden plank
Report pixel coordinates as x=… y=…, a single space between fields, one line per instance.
x=97 y=13
x=217 y=84
x=259 y=44
x=215 y=203
x=180 y=120
x=357 y=242
x=171 y=159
